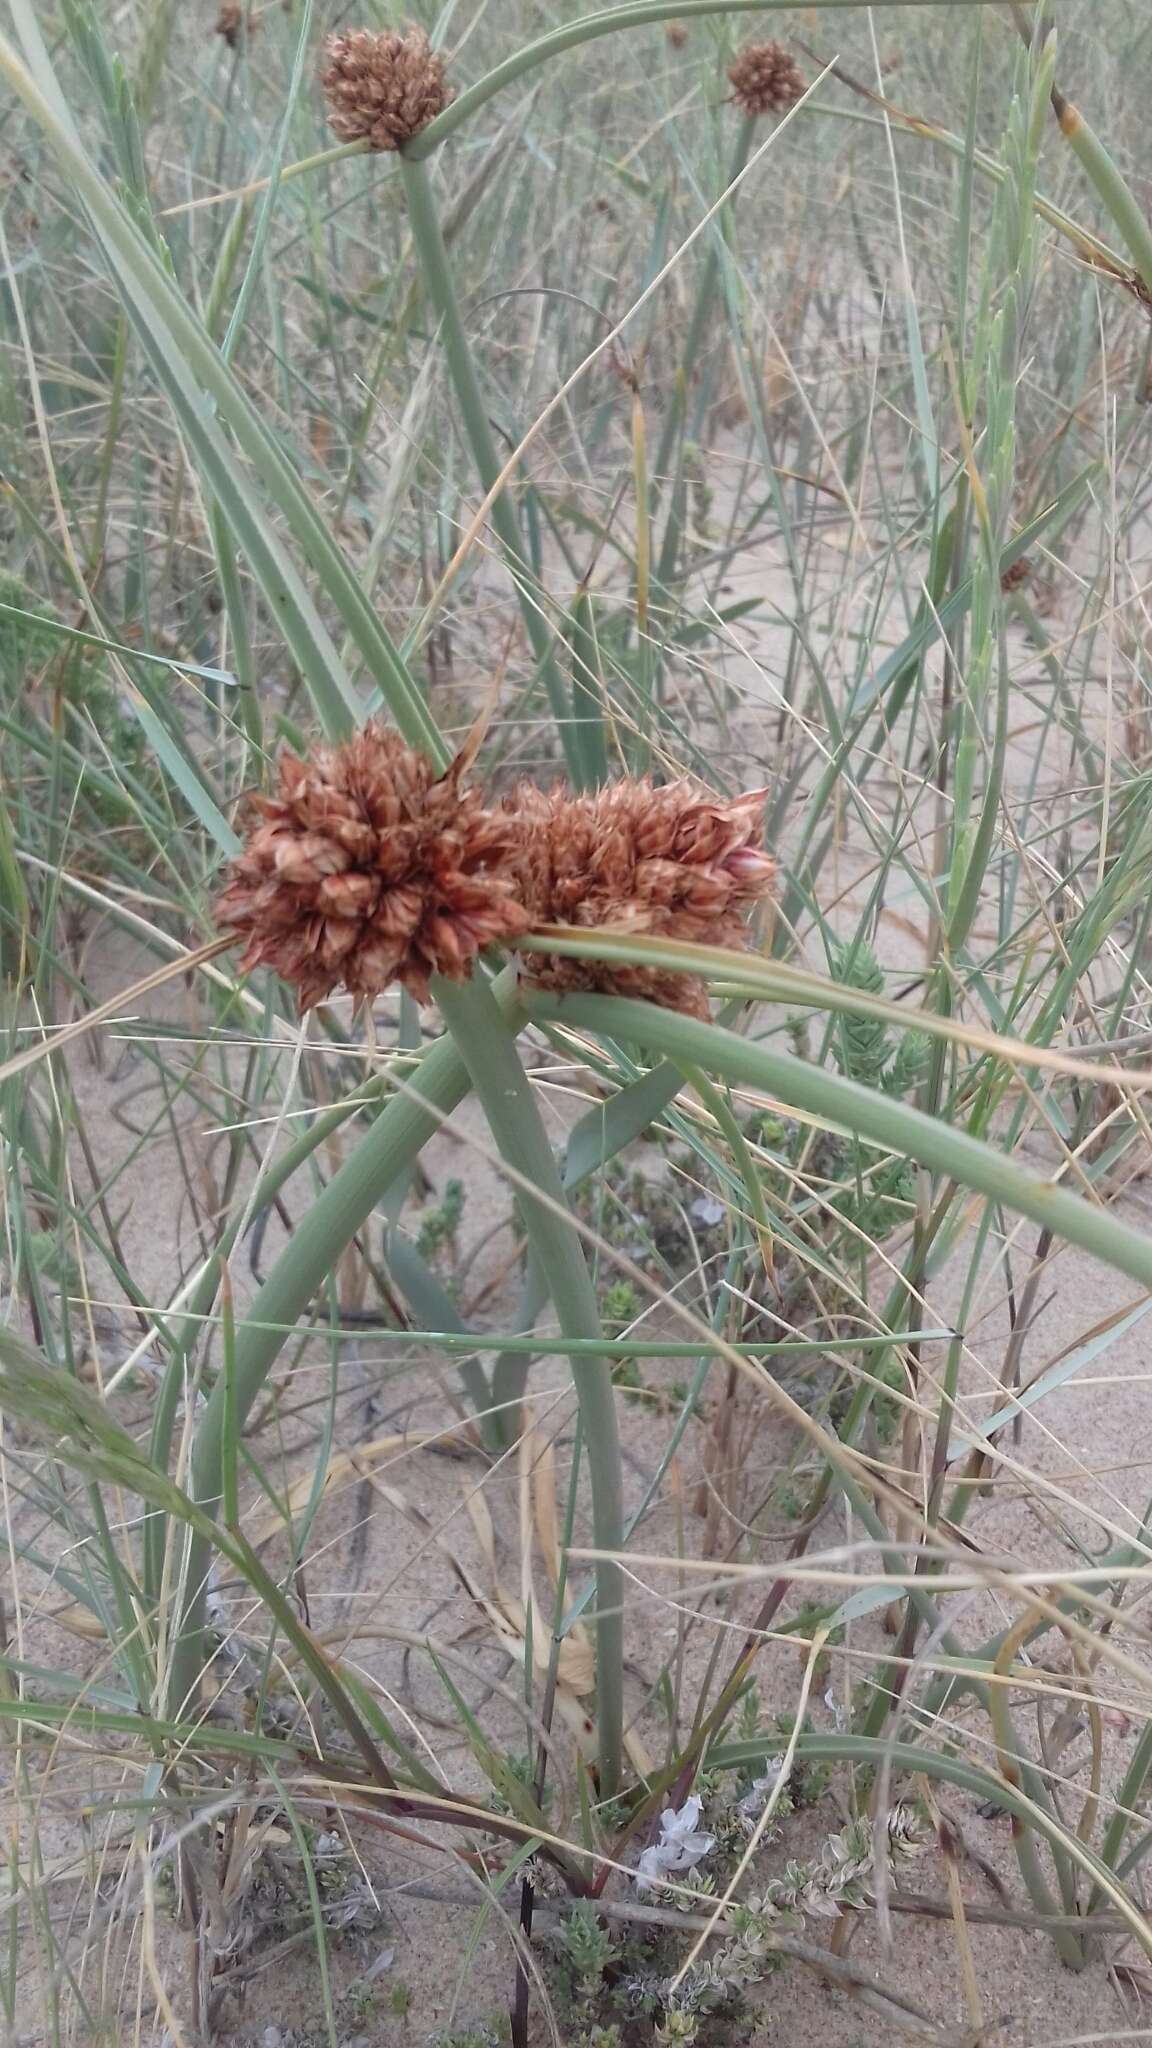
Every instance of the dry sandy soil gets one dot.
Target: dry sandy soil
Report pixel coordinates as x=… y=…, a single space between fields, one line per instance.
x=384 y=1564
x=381 y=1564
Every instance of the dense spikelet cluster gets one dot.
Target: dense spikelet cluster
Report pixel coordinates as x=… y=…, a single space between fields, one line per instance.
x=382 y=89
x=765 y=79
x=666 y=863
x=368 y=867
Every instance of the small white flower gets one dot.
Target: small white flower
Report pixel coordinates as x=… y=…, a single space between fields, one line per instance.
x=681 y=1846
x=837 y=1712
x=650 y=1868
x=682 y=1830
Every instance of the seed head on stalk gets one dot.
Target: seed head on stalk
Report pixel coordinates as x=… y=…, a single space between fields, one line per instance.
x=382 y=89
x=765 y=80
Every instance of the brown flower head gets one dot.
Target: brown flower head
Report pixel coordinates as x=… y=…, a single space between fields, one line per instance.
x=765 y=79
x=368 y=867
x=667 y=862
x=382 y=89
x=231 y=25
x=677 y=34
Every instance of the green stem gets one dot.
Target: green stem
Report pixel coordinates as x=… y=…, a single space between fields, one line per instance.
x=1069 y=1945
x=395 y=1139
x=1130 y=1791
x=428 y=237
x=188 y=1321
x=881 y=1119
x=912 y=126
x=596 y=1139
x=555 y=1344
x=973 y=878
x=319 y=160
x=637 y=15
x=488 y=1046
x=954 y=1770
x=207 y=397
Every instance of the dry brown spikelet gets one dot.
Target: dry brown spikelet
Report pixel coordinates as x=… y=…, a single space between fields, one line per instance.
x=668 y=863
x=369 y=867
x=382 y=89
x=765 y=79
x=677 y=34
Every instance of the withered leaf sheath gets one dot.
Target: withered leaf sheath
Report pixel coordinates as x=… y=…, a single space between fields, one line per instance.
x=765 y=79
x=668 y=863
x=368 y=867
x=382 y=89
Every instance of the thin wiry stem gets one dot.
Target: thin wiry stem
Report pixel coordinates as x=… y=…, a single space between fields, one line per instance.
x=430 y=247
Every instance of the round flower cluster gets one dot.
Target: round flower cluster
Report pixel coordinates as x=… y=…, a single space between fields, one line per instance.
x=765 y=80
x=368 y=867
x=382 y=89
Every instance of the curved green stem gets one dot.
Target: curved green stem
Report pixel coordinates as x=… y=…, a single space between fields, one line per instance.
x=882 y=1119
x=637 y=15
x=489 y=1048
x=954 y=1770
x=395 y=1139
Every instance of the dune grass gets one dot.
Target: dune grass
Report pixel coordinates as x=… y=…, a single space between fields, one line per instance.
x=638 y=437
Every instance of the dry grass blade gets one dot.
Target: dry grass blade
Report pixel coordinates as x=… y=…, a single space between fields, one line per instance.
x=68 y=1034
x=594 y=1485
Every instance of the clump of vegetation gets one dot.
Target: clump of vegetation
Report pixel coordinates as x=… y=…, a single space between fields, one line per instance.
x=625 y=1985
x=666 y=708
x=440 y=1222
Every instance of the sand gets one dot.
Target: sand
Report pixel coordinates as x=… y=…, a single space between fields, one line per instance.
x=421 y=1540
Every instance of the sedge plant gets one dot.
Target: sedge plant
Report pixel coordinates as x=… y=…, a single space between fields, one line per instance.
x=839 y=1146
